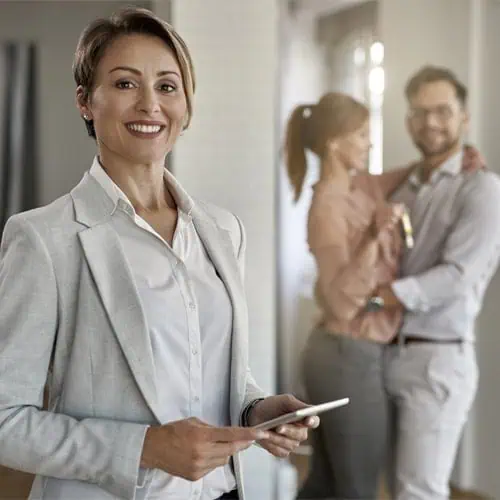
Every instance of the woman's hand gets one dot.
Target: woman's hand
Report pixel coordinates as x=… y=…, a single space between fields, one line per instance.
x=388 y=216
x=191 y=449
x=285 y=438
x=472 y=160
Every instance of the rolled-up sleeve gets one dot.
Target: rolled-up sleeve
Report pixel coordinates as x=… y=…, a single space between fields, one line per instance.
x=470 y=252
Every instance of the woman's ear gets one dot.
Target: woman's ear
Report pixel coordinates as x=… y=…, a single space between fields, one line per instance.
x=82 y=103
x=332 y=147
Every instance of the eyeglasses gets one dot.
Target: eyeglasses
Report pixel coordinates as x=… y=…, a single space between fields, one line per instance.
x=441 y=113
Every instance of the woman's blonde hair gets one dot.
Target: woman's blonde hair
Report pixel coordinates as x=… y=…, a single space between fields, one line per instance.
x=99 y=35
x=312 y=126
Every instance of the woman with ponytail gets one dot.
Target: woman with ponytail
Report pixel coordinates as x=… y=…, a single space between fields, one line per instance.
x=354 y=235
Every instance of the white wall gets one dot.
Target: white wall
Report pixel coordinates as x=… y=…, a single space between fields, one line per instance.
x=487 y=415
x=229 y=157
x=462 y=35
x=65 y=149
x=303 y=81
x=418 y=32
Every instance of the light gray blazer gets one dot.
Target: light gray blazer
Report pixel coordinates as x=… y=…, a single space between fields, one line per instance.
x=68 y=301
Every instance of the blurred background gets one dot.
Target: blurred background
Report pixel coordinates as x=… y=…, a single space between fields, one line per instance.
x=255 y=60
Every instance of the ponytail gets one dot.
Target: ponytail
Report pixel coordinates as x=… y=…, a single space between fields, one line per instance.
x=295 y=150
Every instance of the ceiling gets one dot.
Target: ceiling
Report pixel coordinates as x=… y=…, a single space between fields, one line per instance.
x=323 y=7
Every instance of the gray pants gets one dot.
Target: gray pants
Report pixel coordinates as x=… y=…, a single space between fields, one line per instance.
x=421 y=392
x=431 y=387
x=349 y=447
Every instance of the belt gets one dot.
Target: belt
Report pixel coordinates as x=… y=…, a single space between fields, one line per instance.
x=423 y=340
x=232 y=495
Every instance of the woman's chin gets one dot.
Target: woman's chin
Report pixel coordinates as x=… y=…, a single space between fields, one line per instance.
x=146 y=157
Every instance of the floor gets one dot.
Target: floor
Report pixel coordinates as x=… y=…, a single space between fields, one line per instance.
x=301 y=463
x=16 y=485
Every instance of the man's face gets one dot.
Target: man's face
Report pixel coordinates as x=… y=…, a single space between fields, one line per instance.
x=436 y=119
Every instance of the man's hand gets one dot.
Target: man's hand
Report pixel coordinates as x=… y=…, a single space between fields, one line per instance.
x=286 y=438
x=191 y=449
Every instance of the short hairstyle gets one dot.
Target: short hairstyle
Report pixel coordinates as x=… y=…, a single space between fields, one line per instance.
x=432 y=74
x=99 y=35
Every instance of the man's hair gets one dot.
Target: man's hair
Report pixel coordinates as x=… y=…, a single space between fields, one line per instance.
x=432 y=74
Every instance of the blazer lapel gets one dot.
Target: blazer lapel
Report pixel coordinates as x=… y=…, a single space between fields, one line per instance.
x=115 y=285
x=219 y=247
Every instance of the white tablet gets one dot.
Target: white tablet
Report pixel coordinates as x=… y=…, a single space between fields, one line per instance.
x=298 y=415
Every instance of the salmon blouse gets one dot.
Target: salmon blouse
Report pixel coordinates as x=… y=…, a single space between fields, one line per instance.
x=354 y=257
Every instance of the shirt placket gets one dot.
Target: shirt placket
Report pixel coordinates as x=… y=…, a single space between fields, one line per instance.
x=194 y=340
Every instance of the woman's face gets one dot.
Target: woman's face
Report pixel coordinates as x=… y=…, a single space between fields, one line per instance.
x=354 y=148
x=138 y=102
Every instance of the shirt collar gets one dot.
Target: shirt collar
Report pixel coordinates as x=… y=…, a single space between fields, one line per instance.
x=451 y=167
x=183 y=201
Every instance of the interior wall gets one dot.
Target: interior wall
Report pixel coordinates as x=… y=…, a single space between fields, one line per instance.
x=303 y=81
x=487 y=407
x=228 y=156
x=65 y=149
x=418 y=32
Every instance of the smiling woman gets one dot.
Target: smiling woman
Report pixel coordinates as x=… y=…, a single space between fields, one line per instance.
x=136 y=110
x=136 y=302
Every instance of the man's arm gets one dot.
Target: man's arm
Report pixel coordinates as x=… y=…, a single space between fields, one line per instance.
x=390 y=180
x=470 y=253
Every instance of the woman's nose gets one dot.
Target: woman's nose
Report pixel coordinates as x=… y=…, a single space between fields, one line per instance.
x=148 y=101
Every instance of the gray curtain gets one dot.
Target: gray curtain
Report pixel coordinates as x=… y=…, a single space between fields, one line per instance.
x=18 y=119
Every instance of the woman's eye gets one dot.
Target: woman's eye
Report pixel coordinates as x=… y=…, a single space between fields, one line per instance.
x=124 y=84
x=167 y=87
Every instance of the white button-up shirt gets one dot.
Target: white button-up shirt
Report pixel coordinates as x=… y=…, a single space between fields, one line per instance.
x=189 y=317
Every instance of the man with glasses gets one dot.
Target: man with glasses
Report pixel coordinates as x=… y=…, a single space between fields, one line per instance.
x=431 y=369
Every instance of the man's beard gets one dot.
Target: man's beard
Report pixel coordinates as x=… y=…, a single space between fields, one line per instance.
x=447 y=146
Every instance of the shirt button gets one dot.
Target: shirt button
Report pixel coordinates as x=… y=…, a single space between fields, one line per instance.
x=196 y=399
x=192 y=306
x=194 y=351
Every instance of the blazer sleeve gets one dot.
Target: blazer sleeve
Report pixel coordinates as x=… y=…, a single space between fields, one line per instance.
x=104 y=452
x=253 y=391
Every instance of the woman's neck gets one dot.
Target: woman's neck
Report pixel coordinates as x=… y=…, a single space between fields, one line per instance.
x=143 y=184
x=333 y=170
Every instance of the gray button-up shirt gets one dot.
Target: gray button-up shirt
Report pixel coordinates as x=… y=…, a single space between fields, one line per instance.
x=456 y=224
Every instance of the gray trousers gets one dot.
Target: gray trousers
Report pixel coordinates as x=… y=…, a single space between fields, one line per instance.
x=415 y=397
x=349 y=447
x=431 y=388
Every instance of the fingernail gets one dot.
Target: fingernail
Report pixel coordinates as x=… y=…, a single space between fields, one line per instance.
x=262 y=435
x=280 y=430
